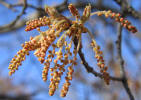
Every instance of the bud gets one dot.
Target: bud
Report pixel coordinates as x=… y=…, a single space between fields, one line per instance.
x=86 y=13
x=74 y=11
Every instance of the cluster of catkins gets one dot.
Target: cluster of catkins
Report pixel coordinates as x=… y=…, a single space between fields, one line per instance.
x=60 y=35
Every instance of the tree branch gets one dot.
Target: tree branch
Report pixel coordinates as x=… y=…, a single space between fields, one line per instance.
x=124 y=78
x=17 y=18
x=89 y=68
x=128 y=10
x=119 y=52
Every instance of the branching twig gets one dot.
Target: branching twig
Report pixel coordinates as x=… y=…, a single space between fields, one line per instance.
x=17 y=18
x=9 y=6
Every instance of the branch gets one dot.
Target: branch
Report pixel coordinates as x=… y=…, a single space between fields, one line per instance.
x=19 y=97
x=17 y=18
x=89 y=68
x=128 y=10
x=7 y=5
x=28 y=5
x=121 y=60
x=124 y=78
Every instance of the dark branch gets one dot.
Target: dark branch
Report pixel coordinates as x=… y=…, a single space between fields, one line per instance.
x=89 y=68
x=119 y=52
x=124 y=78
x=17 y=18
x=128 y=10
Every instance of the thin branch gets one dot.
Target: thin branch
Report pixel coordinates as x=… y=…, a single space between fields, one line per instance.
x=28 y=5
x=17 y=18
x=128 y=10
x=7 y=5
x=20 y=97
x=124 y=78
x=89 y=68
x=119 y=52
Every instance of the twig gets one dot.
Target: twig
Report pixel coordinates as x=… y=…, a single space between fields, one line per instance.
x=119 y=52
x=29 y=5
x=9 y=6
x=128 y=10
x=124 y=78
x=89 y=68
x=17 y=18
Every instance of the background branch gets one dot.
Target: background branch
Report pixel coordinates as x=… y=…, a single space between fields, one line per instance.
x=10 y=25
x=128 y=10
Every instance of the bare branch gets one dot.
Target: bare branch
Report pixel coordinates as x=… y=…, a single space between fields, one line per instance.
x=128 y=10
x=17 y=18
x=7 y=5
